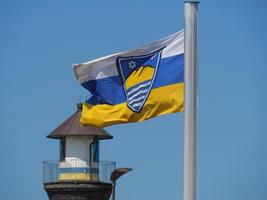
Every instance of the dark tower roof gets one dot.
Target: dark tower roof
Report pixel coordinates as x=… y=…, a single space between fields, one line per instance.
x=72 y=127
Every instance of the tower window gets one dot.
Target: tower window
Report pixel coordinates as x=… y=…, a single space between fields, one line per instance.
x=95 y=151
x=62 y=149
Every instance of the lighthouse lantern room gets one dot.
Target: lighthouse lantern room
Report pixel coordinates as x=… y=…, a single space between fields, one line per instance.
x=79 y=167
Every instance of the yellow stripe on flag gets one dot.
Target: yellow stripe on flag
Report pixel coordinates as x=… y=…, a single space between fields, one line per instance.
x=162 y=100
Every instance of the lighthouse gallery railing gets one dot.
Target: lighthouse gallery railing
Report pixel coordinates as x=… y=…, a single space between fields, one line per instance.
x=75 y=170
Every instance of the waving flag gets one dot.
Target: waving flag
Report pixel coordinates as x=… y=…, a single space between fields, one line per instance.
x=135 y=85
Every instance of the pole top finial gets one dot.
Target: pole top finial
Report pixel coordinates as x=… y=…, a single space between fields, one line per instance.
x=79 y=106
x=192 y=1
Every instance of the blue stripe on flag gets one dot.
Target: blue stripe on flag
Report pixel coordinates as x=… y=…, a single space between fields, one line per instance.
x=110 y=90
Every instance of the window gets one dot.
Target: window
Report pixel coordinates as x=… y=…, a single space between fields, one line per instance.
x=95 y=151
x=62 y=149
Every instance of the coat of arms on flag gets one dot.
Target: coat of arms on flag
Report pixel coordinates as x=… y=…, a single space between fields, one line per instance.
x=138 y=74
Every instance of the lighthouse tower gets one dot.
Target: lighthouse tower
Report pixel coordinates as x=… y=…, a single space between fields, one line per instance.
x=79 y=174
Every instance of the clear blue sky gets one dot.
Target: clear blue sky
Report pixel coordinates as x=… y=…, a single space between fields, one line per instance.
x=39 y=41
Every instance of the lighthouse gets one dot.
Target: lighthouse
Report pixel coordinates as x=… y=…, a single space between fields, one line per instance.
x=78 y=174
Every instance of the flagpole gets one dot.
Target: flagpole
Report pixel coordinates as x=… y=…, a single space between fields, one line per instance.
x=190 y=99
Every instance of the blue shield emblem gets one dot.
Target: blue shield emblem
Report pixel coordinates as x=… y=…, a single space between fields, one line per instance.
x=138 y=74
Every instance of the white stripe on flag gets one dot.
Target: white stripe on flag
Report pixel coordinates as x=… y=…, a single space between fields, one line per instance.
x=106 y=66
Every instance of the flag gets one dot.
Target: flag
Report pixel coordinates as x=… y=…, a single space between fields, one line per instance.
x=135 y=85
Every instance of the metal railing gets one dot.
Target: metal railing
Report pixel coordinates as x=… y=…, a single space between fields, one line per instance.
x=76 y=170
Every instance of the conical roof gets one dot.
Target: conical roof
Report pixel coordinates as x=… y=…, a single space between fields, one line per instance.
x=72 y=127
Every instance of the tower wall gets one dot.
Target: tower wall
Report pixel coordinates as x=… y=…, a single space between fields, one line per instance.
x=79 y=162
x=78 y=191
x=78 y=148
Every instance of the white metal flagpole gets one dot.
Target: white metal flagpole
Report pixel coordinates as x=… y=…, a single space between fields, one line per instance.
x=190 y=99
